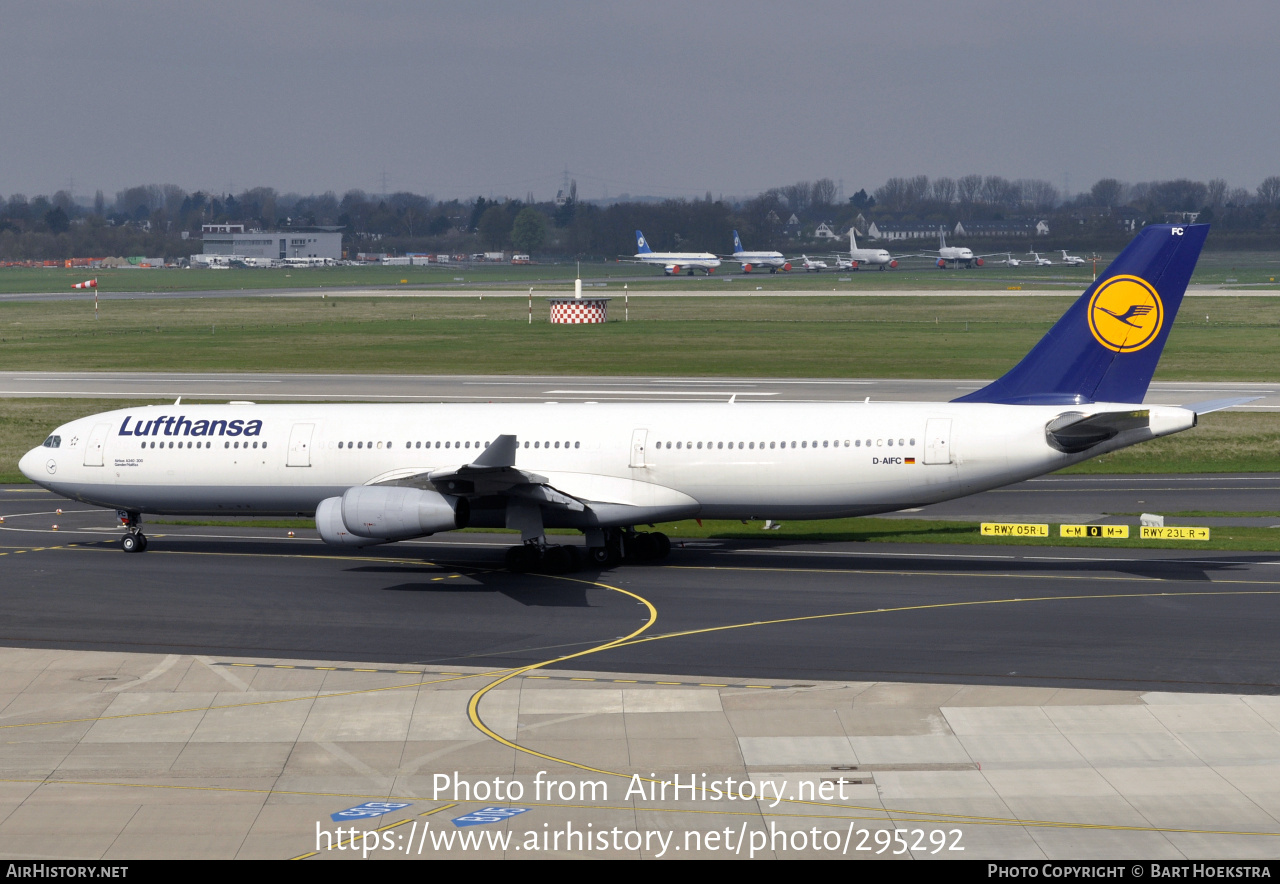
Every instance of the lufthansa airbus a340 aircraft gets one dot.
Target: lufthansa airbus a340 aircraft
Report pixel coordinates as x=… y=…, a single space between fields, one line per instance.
x=382 y=473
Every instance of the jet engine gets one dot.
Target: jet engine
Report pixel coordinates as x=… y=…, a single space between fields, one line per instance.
x=786 y=266
x=978 y=261
x=853 y=265
x=675 y=270
x=942 y=265
x=746 y=268
x=893 y=265
x=370 y=514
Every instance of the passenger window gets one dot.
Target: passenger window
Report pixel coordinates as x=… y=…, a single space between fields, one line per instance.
x=740 y=445
x=879 y=442
x=577 y=444
x=360 y=445
x=557 y=443
x=857 y=443
x=224 y=444
x=264 y=444
x=899 y=442
x=468 y=445
x=890 y=443
x=913 y=441
x=804 y=444
x=236 y=444
x=537 y=444
x=339 y=446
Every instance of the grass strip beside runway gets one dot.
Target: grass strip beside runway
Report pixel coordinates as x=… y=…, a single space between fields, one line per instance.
x=1219 y=339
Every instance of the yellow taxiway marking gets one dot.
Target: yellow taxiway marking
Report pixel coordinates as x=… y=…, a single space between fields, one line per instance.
x=634 y=637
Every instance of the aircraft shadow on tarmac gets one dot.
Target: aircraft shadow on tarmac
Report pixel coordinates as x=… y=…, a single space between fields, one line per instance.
x=546 y=594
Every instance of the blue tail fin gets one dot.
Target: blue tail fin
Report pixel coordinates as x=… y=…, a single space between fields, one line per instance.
x=1106 y=346
x=642 y=247
x=737 y=243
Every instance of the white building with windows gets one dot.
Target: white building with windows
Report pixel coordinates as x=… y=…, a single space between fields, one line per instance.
x=277 y=245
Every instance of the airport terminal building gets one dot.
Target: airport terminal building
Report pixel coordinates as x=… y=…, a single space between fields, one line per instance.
x=304 y=242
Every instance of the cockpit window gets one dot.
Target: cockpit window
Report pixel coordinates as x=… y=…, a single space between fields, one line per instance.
x=53 y=442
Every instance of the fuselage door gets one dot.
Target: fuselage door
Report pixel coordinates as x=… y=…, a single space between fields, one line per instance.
x=638 y=438
x=93 y=448
x=937 y=440
x=300 y=445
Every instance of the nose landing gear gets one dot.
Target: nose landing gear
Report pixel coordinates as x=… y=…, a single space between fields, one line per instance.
x=134 y=541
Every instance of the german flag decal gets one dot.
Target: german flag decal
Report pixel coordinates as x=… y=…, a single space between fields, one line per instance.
x=908 y=460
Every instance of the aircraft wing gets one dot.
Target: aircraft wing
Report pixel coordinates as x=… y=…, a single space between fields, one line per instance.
x=494 y=474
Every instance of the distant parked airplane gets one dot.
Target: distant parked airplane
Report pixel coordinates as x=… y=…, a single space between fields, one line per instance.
x=673 y=262
x=775 y=261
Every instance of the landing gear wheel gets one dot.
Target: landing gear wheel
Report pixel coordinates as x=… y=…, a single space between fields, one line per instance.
x=558 y=560
x=643 y=547
x=522 y=559
x=662 y=546
x=133 y=543
x=602 y=556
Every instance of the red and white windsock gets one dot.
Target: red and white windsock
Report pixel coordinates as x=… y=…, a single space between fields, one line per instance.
x=87 y=284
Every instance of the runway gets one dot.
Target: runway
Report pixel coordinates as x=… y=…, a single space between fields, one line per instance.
x=1048 y=617
x=519 y=388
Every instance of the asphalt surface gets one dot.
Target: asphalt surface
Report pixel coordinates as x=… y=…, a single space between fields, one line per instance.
x=523 y=388
x=1193 y=621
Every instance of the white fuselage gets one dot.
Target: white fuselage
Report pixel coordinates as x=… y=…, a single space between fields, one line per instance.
x=870 y=256
x=674 y=262
x=664 y=460
x=955 y=253
x=760 y=259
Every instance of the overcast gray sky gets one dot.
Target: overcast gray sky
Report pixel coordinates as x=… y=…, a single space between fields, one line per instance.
x=662 y=98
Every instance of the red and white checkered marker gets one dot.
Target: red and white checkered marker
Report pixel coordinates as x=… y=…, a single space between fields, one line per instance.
x=87 y=284
x=579 y=311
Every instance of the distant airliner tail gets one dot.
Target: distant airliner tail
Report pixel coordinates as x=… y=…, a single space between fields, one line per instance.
x=1106 y=346
x=737 y=243
x=641 y=246
x=853 y=240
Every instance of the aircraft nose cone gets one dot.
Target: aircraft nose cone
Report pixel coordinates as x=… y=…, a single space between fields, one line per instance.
x=38 y=464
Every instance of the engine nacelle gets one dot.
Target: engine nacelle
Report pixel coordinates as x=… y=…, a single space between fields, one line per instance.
x=893 y=265
x=746 y=268
x=853 y=265
x=383 y=513
x=675 y=270
x=978 y=261
x=786 y=266
x=942 y=265
x=333 y=530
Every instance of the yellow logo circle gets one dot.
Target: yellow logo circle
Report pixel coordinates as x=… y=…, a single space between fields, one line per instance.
x=1125 y=314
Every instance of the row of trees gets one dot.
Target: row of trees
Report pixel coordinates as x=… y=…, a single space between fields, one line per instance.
x=151 y=219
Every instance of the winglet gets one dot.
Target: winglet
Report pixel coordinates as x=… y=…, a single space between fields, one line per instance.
x=500 y=453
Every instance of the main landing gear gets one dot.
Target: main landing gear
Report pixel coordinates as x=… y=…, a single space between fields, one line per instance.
x=619 y=545
x=134 y=541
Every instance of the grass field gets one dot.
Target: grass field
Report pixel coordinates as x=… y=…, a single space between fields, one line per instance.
x=1216 y=268
x=1227 y=338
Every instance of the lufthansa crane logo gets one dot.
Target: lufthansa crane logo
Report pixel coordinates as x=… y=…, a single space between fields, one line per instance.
x=1125 y=314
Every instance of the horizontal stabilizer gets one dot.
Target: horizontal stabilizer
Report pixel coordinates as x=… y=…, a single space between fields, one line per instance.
x=1219 y=404
x=1073 y=432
